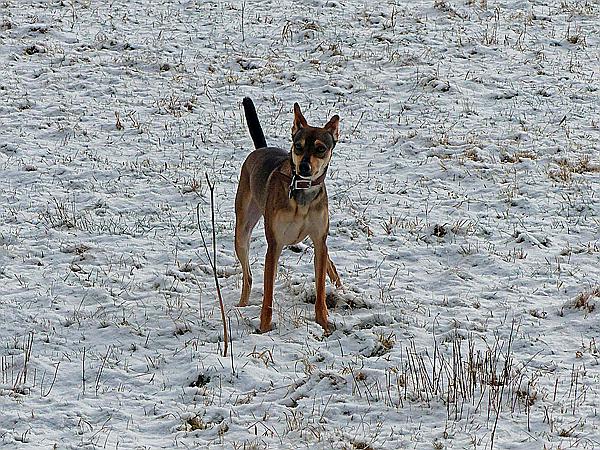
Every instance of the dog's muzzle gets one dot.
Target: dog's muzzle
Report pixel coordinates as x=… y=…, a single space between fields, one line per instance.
x=304 y=169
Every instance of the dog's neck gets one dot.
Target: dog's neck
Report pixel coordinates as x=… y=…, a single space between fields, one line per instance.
x=305 y=196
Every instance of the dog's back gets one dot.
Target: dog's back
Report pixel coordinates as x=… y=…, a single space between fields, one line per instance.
x=259 y=164
x=258 y=167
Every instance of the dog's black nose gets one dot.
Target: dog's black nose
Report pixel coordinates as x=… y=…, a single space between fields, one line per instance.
x=305 y=168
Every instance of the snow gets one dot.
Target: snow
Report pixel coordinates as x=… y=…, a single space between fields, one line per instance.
x=465 y=224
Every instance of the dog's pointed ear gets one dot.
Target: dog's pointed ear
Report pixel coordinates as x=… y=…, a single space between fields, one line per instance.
x=333 y=126
x=299 y=120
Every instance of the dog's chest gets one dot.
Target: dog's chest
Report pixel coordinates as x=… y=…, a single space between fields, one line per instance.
x=294 y=224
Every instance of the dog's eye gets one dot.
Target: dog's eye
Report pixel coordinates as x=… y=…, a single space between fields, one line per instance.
x=298 y=148
x=321 y=149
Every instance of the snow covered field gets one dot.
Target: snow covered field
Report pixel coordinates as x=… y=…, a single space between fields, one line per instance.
x=465 y=224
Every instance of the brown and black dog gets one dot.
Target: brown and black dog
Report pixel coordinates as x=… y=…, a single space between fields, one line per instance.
x=288 y=190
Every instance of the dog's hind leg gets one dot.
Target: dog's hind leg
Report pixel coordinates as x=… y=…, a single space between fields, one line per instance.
x=266 y=313
x=333 y=274
x=247 y=215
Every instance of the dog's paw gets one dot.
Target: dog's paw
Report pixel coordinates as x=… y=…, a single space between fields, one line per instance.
x=325 y=332
x=257 y=329
x=265 y=326
x=331 y=328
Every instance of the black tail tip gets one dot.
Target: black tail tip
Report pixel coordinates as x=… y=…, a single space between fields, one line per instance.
x=247 y=101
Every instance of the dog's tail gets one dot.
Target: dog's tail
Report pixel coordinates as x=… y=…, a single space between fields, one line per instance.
x=256 y=131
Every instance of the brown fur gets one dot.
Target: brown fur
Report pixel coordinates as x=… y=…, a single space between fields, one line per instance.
x=263 y=190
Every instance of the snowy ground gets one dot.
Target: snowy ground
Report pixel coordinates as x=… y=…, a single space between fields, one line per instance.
x=465 y=223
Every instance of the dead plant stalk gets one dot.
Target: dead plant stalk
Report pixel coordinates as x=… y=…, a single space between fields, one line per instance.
x=213 y=260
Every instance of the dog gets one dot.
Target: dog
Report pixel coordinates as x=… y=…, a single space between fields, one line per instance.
x=287 y=188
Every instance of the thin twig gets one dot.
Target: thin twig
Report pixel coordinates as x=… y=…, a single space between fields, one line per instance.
x=231 y=353
x=83 y=373
x=243 y=11
x=53 y=381
x=213 y=261
x=101 y=369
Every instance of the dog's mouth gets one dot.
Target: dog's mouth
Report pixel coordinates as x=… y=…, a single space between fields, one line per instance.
x=308 y=177
x=306 y=172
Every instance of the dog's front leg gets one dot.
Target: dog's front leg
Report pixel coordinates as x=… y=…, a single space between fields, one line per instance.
x=321 y=266
x=266 y=313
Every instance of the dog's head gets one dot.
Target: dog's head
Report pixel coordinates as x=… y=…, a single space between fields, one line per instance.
x=312 y=146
